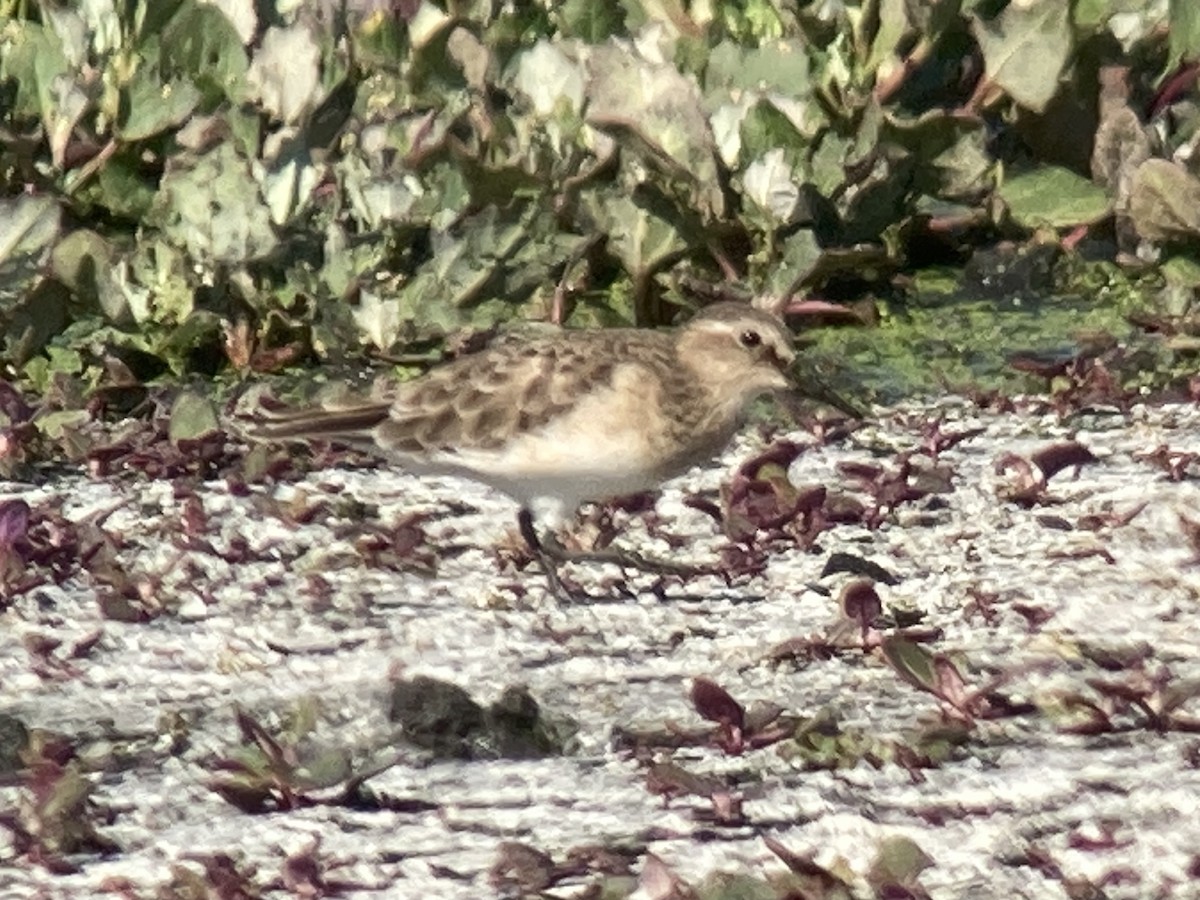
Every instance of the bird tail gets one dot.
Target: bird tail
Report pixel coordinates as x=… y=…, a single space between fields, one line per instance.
x=348 y=424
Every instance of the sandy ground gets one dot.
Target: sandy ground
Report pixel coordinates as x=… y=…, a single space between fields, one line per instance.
x=295 y=619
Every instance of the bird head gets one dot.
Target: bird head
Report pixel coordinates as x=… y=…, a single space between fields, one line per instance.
x=738 y=347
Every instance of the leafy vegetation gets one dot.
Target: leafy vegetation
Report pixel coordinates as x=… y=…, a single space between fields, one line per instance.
x=201 y=187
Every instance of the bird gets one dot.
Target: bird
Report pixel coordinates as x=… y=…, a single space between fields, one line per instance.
x=559 y=418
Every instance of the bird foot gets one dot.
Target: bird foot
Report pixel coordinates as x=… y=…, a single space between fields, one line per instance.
x=626 y=559
x=551 y=554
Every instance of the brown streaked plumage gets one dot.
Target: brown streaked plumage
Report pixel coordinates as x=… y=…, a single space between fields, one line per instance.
x=569 y=416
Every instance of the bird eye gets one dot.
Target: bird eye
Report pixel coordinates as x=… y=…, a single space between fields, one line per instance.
x=750 y=338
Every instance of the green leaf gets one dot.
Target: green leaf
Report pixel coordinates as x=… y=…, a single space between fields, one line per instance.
x=343 y=262
x=378 y=319
x=445 y=197
x=549 y=77
x=201 y=328
x=193 y=416
x=215 y=210
x=875 y=203
x=769 y=184
x=1025 y=49
x=71 y=31
x=1183 y=17
x=783 y=68
x=28 y=229
x=285 y=76
x=828 y=162
x=422 y=309
x=1055 y=197
x=762 y=99
x=153 y=17
x=662 y=107
x=897 y=864
x=379 y=41
x=589 y=21
x=1183 y=271
x=798 y=259
x=59 y=422
x=121 y=187
x=949 y=153
x=1164 y=202
x=289 y=182
x=325 y=768
x=201 y=45
x=893 y=26
x=154 y=108
x=32 y=60
x=97 y=24
x=148 y=105
x=765 y=127
x=642 y=240
x=46 y=83
x=475 y=274
x=750 y=21
x=734 y=886
x=1092 y=14
x=155 y=282
x=538 y=260
x=911 y=662
x=33 y=322
x=84 y=262
x=466 y=258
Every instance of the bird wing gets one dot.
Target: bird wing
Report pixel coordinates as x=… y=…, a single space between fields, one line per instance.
x=512 y=387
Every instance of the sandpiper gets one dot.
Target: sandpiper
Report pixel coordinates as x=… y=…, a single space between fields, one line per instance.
x=557 y=419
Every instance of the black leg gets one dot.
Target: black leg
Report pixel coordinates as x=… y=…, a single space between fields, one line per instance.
x=550 y=553
x=626 y=559
x=545 y=560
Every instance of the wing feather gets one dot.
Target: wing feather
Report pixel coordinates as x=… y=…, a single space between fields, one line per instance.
x=476 y=402
x=479 y=402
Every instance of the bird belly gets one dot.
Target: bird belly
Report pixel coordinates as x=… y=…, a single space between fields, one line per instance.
x=609 y=444
x=553 y=466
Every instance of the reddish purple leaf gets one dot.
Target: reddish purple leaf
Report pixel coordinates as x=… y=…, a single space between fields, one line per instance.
x=861 y=602
x=714 y=703
x=14 y=523
x=1053 y=459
